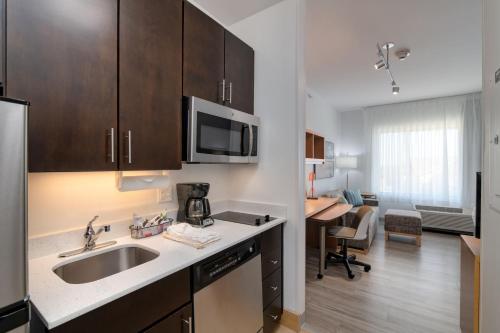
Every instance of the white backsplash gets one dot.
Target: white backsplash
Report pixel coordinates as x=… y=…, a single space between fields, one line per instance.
x=40 y=246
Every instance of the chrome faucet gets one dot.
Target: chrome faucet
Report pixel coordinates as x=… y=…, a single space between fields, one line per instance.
x=91 y=237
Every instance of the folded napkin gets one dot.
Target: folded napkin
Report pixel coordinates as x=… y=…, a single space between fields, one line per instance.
x=187 y=234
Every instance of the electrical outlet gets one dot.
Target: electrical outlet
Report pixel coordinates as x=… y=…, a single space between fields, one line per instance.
x=165 y=195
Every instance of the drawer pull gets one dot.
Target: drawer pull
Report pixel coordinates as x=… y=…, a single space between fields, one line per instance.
x=274 y=288
x=189 y=323
x=273 y=317
x=274 y=262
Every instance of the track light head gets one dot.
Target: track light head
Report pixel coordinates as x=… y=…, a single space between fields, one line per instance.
x=379 y=65
x=402 y=54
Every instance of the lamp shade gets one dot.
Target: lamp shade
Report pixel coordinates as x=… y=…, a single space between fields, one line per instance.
x=346 y=162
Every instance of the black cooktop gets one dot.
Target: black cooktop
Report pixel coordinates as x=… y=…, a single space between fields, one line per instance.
x=243 y=218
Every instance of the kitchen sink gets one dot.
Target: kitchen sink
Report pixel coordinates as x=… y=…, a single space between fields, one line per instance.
x=104 y=264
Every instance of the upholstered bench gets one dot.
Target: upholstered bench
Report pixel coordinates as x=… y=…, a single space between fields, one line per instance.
x=403 y=222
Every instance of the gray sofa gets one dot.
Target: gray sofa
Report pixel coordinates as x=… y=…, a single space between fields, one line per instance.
x=363 y=245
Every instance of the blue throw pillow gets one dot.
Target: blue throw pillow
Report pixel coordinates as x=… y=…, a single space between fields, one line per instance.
x=354 y=197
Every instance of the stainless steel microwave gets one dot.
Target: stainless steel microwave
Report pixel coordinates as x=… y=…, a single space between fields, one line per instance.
x=214 y=133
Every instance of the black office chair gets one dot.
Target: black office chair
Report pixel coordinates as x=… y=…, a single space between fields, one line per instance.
x=344 y=234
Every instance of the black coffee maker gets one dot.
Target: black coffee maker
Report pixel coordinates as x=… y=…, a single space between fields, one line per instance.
x=194 y=207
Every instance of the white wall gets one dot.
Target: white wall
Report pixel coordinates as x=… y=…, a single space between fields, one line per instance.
x=321 y=118
x=353 y=143
x=490 y=226
x=64 y=201
x=276 y=36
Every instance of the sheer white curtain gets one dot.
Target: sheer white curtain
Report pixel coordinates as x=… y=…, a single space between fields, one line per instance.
x=425 y=151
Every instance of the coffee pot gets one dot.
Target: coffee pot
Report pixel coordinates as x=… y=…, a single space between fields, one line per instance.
x=194 y=206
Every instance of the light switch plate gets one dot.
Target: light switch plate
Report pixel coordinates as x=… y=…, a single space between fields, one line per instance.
x=165 y=195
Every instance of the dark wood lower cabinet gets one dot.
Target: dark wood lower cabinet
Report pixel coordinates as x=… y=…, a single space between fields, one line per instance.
x=138 y=311
x=272 y=277
x=272 y=315
x=179 y=322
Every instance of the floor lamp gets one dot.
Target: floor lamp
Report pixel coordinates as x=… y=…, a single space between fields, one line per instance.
x=347 y=163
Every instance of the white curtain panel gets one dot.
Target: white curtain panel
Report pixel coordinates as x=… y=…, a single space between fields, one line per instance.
x=425 y=151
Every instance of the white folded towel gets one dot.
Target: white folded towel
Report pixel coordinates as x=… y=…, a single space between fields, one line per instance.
x=187 y=234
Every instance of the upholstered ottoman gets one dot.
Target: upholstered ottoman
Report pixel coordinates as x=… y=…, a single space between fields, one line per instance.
x=403 y=222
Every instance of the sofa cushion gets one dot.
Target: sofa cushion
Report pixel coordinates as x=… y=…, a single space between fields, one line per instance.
x=354 y=197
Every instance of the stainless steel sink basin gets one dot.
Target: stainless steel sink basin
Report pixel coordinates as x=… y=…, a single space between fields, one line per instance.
x=104 y=264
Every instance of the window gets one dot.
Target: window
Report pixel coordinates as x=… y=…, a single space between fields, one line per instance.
x=419 y=165
x=425 y=151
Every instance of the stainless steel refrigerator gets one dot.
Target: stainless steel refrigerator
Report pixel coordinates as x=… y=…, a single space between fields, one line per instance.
x=14 y=306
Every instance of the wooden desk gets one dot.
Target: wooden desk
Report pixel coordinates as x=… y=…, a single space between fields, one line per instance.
x=322 y=219
x=315 y=206
x=469 y=283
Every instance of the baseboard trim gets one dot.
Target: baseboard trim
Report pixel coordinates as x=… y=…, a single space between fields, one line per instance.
x=292 y=320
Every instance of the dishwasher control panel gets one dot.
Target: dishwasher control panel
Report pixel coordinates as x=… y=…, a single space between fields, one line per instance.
x=216 y=266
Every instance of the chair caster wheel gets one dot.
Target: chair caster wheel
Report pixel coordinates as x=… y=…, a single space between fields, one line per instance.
x=350 y=275
x=320 y=276
x=367 y=268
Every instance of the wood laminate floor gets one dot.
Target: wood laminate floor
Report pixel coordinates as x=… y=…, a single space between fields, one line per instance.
x=408 y=290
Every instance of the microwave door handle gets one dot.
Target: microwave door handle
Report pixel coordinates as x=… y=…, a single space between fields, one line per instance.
x=244 y=152
x=250 y=138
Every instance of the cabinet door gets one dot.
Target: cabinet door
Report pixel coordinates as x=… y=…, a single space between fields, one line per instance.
x=179 y=322
x=239 y=73
x=62 y=57
x=203 y=63
x=150 y=83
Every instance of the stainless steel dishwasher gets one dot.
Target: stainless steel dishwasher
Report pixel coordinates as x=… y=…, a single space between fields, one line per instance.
x=228 y=291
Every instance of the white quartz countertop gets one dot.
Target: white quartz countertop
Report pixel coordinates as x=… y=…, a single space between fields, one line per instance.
x=58 y=302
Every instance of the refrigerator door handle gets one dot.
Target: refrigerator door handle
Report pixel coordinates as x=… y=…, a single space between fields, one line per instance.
x=14 y=317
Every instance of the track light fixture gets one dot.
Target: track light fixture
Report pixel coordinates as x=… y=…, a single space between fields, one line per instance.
x=379 y=65
x=383 y=62
x=402 y=54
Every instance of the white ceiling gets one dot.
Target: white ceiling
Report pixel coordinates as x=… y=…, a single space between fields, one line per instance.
x=232 y=11
x=341 y=36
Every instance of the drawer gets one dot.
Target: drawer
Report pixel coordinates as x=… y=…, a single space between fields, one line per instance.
x=272 y=315
x=137 y=310
x=271 y=263
x=271 y=241
x=271 y=288
x=180 y=321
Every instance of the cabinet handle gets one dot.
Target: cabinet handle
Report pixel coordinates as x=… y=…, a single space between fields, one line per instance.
x=112 y=143
x=128 y=136
x=273 y=317
x=495 y=139
x=274 y=262
x=223 y=83
x=189 y=323
x=230 y=100
x=274 y=288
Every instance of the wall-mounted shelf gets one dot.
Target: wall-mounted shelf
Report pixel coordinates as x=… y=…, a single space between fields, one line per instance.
x=315 y=148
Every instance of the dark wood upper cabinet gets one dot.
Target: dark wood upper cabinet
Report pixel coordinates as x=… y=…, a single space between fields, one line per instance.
x=150 y=84
x=239 y=74
x=62 y=57
x=203 y=65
